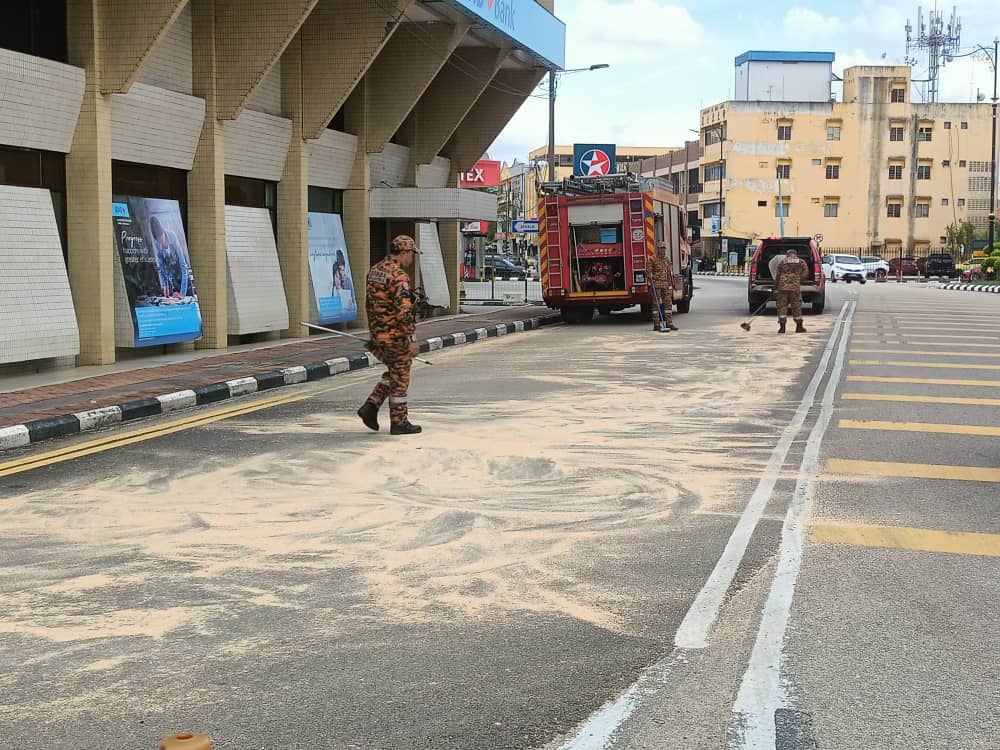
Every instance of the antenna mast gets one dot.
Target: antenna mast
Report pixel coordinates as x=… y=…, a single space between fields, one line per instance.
x=940 y=39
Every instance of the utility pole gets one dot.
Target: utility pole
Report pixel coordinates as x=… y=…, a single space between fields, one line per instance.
x=552 y=125
x=993 y=153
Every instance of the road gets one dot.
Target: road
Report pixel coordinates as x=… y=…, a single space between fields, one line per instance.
x=605 y=538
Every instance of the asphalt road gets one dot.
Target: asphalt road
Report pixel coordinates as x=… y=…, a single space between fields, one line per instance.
x=604 y=538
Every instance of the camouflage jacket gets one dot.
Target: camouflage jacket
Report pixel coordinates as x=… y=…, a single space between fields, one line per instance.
x=790 y=274
x=662 y=272
x=389 y=304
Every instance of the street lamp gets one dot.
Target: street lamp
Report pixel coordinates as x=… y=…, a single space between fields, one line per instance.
x=552 y=111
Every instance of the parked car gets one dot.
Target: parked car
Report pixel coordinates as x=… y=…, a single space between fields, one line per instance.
x=908 y=265
x=875 y=267
x=844 y=268
x=503 y=268
x=761 y=284
x=940 y=264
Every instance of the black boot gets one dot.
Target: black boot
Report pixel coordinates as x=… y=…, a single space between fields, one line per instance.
x=799 y=328
x=369 y=415
x=405 y=428
x=781 y=325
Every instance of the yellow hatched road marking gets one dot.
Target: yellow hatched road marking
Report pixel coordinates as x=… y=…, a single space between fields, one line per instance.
x=985 y=328
x=926 y=381
x=932 y=343
x=926 y=365
x=929 y=336
x=913 y=471
x=952 y=429
x=921 y=399
x=919 y=351
x=922 y=540
x=148 y=433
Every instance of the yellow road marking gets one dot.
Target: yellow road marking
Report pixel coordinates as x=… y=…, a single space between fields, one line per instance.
x=920 y=351
x=931 y=343
x=926 y=381
x=931 y=336
x=148 y=433
x=921 y=399
x=926 y=365
x=922 y=540
x=913 y=471
x=952 y=429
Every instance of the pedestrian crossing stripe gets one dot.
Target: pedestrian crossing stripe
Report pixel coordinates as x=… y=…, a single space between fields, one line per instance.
x=912 y=471
x=921 y=399
x=897 y=537
x=925 y=365
x=932 y=343
x=855 y=350
x=952 y=429
x=923 y=335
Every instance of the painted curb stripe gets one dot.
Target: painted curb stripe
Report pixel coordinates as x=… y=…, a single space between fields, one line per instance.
x=242 y=386
x=294 y=375
x=317 y=371
x=95 y=419
x=14 y=437
x=178 y=400
x=43 y=429
x=209 y=394
x=270 y=380
x=143 y=407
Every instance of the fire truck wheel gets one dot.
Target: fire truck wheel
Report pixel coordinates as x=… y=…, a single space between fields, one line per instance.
x=683 y=305
x=604 y=310
x=645 y=311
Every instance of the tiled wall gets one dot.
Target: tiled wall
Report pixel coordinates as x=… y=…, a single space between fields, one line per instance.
x=267 y=97
x=442 y=203
x=390 y=166
x=256 y=293
x=331 y=158
x=150 y=125
x=39 y=102
x=169 y=67
x=37 y=320
x=434 y=174
x=257 y=145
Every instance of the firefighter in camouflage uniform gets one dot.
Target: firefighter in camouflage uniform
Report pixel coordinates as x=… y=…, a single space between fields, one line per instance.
x=788 y=278
x=662 y=273
x=392 y=323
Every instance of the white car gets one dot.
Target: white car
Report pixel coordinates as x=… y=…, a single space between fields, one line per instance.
x=847 y=268
x=875 y=267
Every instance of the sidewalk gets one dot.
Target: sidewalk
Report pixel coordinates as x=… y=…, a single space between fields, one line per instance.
x=53 y=404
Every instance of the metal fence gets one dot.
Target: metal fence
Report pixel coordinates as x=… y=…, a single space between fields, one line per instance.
x=503 y=292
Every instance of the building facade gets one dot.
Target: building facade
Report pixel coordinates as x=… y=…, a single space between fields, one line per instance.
x=876 y=172
x=682 y=166
x=221 y=133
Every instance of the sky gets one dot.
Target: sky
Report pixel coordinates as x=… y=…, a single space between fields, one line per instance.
x=670 y=59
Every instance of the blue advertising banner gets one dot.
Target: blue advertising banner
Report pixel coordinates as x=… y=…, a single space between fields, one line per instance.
x=330 y=269
x=591 y=159
x=527 y=24
x=156 y=267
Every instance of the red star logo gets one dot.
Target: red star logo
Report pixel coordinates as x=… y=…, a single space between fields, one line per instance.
x=596 y=162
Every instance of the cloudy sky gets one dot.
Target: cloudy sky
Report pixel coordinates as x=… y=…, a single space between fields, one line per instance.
x=670 y=58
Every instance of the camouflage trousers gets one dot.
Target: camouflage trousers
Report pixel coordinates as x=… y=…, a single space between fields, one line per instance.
x=395 y=382
x=789 y=301
x=666 y=298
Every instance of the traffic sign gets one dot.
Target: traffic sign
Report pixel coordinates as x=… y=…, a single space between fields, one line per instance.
x=524 y=226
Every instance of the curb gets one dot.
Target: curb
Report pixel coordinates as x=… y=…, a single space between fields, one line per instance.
x=717 y=273
x=18 y=436
x=994 y=288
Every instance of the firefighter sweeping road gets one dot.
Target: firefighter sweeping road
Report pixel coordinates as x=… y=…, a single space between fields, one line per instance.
x=603 y=539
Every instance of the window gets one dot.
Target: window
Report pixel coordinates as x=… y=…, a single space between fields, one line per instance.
x=895 y=134
x=895 y=171
x=830 y=209
x=944 y=201
x=924 y=134
x=35 y=27
x=781 y=208
x=715 y=172
x=784 y=132
x=326 y=200
x=833 y=171
x=947 y=124
x=763 y=164
x=923 y=171
x=961 y=201
x=784 y=171
x=946 y=163
x=894 y=210
x=965 y=126
x=961 y=162
x=817 y=162
x=833 y=132
x=922 y=210
x=246 y=191
x=761 y=204
x=897 y=95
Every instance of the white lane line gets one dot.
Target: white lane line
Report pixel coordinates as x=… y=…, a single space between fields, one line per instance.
x=762 y=690
x=693 y=630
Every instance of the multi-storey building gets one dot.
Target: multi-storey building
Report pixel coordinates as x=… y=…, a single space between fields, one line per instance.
x=216 y=137
x=876 y=171
x=682 y=167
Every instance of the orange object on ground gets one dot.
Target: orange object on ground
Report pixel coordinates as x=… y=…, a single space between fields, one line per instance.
x=186 y=741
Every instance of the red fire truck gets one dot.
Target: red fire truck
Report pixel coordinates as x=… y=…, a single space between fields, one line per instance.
x=596 y=235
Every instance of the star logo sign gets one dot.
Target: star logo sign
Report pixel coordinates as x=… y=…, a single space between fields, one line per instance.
x=595 y=162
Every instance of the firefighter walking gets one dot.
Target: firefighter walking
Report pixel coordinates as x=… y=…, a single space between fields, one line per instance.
x=392 y=324
x=788 y=278
x=662 y=273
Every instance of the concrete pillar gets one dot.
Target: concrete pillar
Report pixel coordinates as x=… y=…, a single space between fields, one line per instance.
x=132 y=32
x=293 y=197
x=207 y=187
x=451 y=249
x=357 y=200
x=88 y=193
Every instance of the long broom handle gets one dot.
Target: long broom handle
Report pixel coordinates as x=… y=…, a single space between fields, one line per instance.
x=352 y=336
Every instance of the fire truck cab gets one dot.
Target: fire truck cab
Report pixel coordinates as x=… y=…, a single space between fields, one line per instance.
x=596 y=235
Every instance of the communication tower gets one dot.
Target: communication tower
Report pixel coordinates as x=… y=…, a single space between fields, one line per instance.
x=941 y=40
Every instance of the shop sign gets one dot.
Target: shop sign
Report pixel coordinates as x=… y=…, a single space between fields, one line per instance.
x=485 y=173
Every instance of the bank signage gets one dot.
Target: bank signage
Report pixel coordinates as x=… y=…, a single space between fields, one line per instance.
x=527 y=24
x=485 y=173
x=593 y=159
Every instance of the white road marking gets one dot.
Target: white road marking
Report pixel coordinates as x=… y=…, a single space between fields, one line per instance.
x=693 y=630
x=762 y=689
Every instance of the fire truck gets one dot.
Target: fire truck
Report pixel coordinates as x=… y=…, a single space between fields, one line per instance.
x=596 y=235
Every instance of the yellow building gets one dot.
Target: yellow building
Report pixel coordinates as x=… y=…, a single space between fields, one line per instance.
x=876 y=171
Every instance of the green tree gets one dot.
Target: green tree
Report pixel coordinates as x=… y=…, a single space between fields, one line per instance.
x=960 y=235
